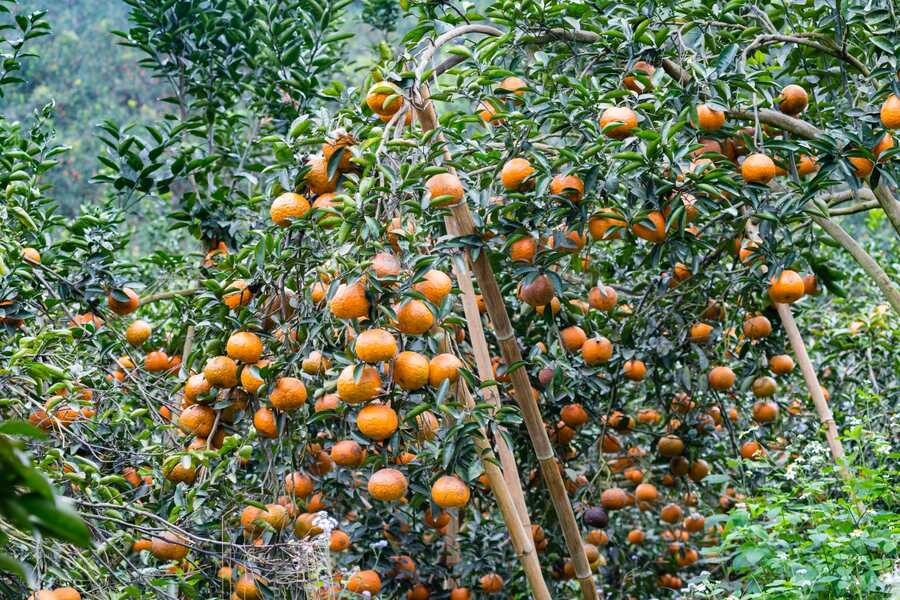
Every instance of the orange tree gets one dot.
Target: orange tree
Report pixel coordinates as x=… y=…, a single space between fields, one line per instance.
x=561 y=239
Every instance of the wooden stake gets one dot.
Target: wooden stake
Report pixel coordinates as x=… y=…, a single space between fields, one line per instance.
x=815 y=390
x=464 y=225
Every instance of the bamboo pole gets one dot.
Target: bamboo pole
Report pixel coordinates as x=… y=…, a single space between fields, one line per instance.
x=464 y=225
x=520 y=535
x=815 y=390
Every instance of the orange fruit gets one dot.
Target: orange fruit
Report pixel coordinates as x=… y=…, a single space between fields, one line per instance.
x=633 y=83
x=289 y=394
x=449 y=491
x=264 y=423
x=781 y=364
x=752 y=450
x=375 y=345
x=169 y=546
x=246 y=588
x=603 y=221
x=491 y=583
x=634 y=369
x=352 y=391
x=618 y=114
x=523 y=249
x=890 y=112
x=709 y=119
x=384 y=98
x=339 y=541
x=806 y=165
x=787 y=288
x=721 y=378
x=757 y=327
x=573 y=415
x=221 y=372
x=636 y=537
x=241 y=296
x=671 y=513
x=388 y=485
x=602 y=297
x=410 y=370
x=793 y=100
x=515 y=175
x=338 y=141
x=435 y=286
x=763 y=387
x=443 y=367
x=286 y=207
x=596 y=350
x=251 y=381
x=414 y=317
x=245 y=347
x=118 y=306
x=317 y=176
x=349 y=301
x=613 y=498
x=514 y=85
x=568 y=186
x=646 y=492
x=377 y=421
x=138 y=332
x=654 y=232
x=884 y=144
x=156 y=361
x=700 y=333
x=670 y=446
x=573 y=337
x=315 y=363
x=197 y=419
x=765 y=411
x=862 y=167
x=758 y=168
x=298 y=485
x=386 y=265
x=348 y=453
x=364 y=581
x=444 y=189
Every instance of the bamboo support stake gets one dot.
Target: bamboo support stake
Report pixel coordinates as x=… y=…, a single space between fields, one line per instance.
x=505 y=335
x=520 y=535
x=815 y=390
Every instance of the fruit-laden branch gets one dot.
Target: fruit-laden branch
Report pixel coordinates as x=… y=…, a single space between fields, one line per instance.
x=815 y=390
x=170 y=295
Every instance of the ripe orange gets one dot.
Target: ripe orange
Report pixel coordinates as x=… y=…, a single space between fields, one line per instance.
x=156 y=361
x=515 y=85
x=250 y=381
x=654 y=232
x=352 y=391
x=700 y=333
x=758 y=168
x=787 y=288
x=245 y=347
x=568 y=186
x=618 y=114
x=671 y=513
x=384 y=98
x=763 y=387
x=444 y=189
x=603 y=221
x=781 y=364
x=596 y=350
x=122 y=307
x=241 y=296
x=298 y=485
x=264 y=423
x=289 y=394
x=377 y=421
x=388 y=485
x=414 y=317
x=339 y=140
x=636 y=537
x=573 y=415
x=410 y=370
x=443 y=367
x=385 y=265
x=884 y=144
x=765 y=411
x=721 y=378
x=633 y=83
x=752 y=450
x=317 y=176
x=602 y=297
x=138 y=332
x=613 y=498
x=449 y=491
x=634 y=369
x=757 y=327
x=670 y=446
x=709 y=119
x=539 y=292
x=375 y=345
x=573 y=337
x=221 y=372
x=646 y=492
x=197 y=419
x=315 y=363
x=862 y=167
x=348 y=453
x=491 y=583
x=246 y=589
x=806 y=165
x=286 y=207
x=169 y=546
x=339 y=541
x=523 y=249
x=890 y=112
x=515 y=175
x=793 y=100
x=435 y=286
x=349 y=301
x=364 y=581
